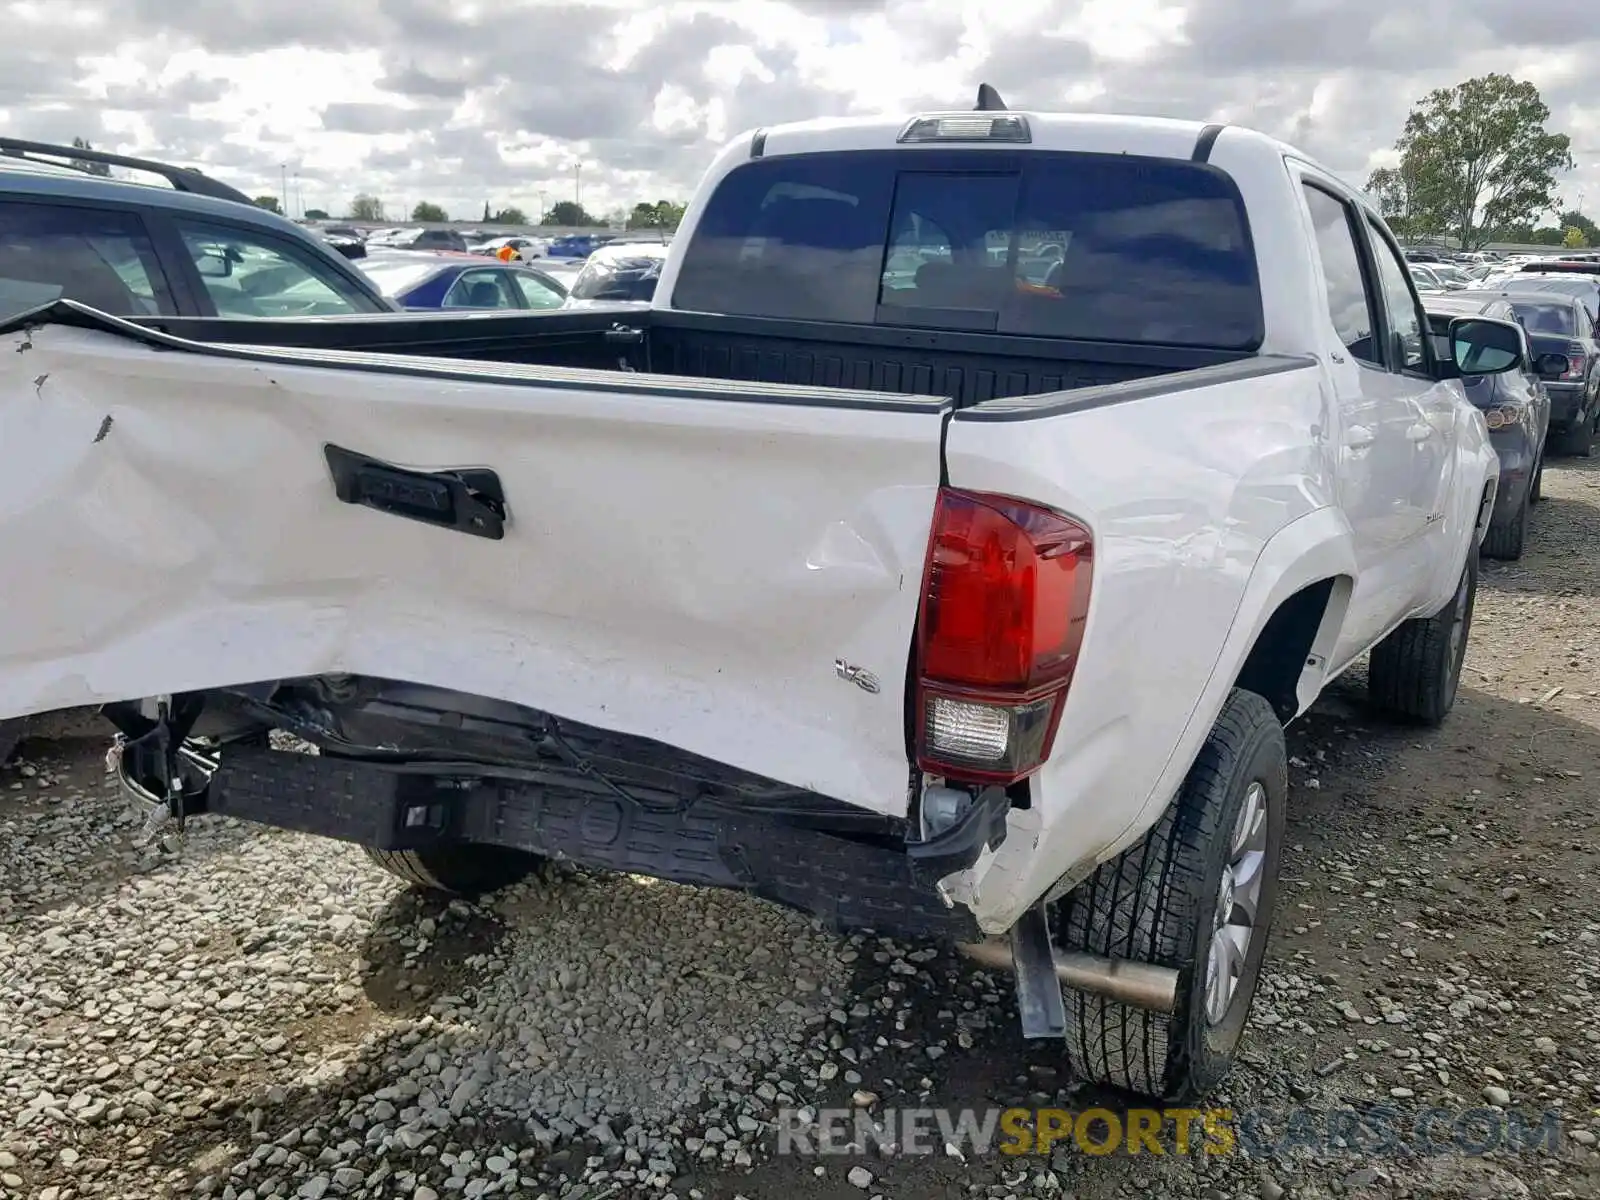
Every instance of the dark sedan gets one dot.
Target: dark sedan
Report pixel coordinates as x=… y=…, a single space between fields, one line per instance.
x=435 y=282
x=1559 y=325
x=1516 y=408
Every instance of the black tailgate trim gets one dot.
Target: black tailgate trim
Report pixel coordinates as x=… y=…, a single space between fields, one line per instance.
x=1049 y=404
x=625 y=383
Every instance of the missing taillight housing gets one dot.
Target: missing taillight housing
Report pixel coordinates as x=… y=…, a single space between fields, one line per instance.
x=1004 y=602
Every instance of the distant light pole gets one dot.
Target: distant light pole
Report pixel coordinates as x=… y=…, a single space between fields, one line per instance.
x=283 y=186
x=544 y=203
x=577 y=184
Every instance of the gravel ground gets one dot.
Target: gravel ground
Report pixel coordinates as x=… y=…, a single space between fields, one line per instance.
x=268 y=1015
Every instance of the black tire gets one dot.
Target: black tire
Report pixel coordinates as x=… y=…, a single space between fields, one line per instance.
x=1578 y=441
x=1157 y=903
x=458 y=868
x=1415 y=672
x=10 y=734
x=1506 y=540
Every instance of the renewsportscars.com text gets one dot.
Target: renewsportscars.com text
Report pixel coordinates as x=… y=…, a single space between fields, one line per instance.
x=1168 y=1131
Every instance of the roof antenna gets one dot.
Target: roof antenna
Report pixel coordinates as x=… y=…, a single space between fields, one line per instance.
x=989 y=100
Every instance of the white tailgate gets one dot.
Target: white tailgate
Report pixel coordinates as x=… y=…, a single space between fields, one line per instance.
x=675 y=565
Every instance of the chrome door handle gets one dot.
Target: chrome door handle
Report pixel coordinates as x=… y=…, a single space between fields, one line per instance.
x=1420 y=432
x=1359 y=437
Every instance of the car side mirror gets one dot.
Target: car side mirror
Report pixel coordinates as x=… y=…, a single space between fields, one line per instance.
x=215 y=264
x=1551 y=366
x=1484 y=346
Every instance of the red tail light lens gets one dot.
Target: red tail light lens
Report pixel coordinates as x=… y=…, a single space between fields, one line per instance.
x=1004 y=604
x=1576 y=365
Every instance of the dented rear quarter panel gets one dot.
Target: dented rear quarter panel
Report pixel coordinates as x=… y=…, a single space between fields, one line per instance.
x=675 y=567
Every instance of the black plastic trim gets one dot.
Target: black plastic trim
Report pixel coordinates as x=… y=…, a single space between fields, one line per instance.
x=983 y=826
x=907 y=337
x=470 y=501
x=1205 y=143
x=849 y=880
x=577 y=379
x=1049 y=404
x=758 y=143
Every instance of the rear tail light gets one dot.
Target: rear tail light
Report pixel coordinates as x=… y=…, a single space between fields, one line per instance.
x=1577 y=365
x=1004 y=602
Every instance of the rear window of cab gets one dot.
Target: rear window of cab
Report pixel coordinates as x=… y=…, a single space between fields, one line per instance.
x=1091 y=247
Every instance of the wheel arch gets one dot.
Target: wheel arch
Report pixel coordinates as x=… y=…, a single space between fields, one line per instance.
x=1288 y=660
x=1311 y=557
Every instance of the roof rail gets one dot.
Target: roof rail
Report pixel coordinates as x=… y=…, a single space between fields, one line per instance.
x=182 y=179
x=989 y=100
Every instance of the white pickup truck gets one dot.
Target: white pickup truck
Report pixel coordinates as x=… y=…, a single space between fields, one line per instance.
x=942 y=553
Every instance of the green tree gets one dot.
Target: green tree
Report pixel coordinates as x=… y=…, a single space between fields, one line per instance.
x=1576 y=220
x=425 y=211
x=366 y=207
x=486 y=215
x=316 y=214
x=1573 y=238
x=1479 y=158
x=669 y=213
x=1548 y=235
x=509 y=216
x=663 y=214
x=94 y=168
x=568 y=212
x=270 y=203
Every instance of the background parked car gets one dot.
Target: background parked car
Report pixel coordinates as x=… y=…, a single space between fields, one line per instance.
x=564 y=271
x=1582 y=287
x=619 y=273
x=435 y=282
x=525 y=247
x=195 y=247
x=426 y=239
x=577 y=245
x=1559 y=327
x=1516 y=408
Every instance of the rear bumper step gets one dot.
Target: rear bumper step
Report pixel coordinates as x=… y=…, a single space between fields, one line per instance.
x=850 y=882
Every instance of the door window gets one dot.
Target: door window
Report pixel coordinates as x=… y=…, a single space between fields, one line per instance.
x=482 y=289
x=536 y=292
x=95 y=256
x=1351 y=304
x=252 y=275
x=1405 y=314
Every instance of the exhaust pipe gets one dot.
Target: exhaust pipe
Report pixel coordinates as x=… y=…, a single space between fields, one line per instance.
x=1137 y=984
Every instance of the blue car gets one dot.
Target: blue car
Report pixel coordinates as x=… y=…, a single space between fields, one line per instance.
x=576 y=245
x=430 y=281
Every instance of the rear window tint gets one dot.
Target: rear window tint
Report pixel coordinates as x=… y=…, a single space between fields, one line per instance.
x=1071 y=246
x=1547 y=318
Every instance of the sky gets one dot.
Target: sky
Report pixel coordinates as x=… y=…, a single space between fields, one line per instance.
x=524 y=102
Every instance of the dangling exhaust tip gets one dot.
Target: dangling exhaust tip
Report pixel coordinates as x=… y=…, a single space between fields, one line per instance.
x=1137 y=984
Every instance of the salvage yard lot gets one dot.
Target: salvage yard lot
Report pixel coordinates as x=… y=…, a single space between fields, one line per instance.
x=268 y=1015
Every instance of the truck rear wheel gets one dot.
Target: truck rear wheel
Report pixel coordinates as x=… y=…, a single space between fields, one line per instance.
x=457 y=869
x=1415 y=672
x=1195 y=894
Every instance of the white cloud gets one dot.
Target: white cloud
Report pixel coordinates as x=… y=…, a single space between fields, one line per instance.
x=462 y=103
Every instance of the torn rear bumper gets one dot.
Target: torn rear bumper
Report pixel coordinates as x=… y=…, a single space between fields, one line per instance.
x=852 y=876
